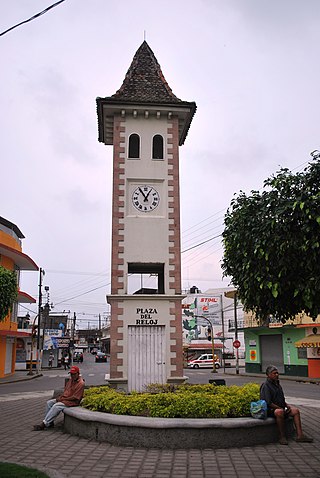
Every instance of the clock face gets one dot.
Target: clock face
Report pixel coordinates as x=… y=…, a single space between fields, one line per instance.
x=145 y=198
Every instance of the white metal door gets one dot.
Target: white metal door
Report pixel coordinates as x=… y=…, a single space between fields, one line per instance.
x=146 y=356
x=8 y=363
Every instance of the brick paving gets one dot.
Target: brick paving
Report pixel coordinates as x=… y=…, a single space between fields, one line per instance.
x=62 y=455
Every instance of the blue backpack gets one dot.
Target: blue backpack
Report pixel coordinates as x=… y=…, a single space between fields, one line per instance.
x=259 y=409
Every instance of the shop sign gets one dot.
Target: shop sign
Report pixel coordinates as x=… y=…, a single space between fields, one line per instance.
x=61 y=342
x=56 y=343
x=209 y=307
x=54 y=332
x=273 y=322
x=253 y=355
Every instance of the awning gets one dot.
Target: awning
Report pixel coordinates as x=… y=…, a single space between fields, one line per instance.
x=207 y=346
x=230 y=294
x=24 y=262
x=308 y=341
x=14 y=333
x=24 y=298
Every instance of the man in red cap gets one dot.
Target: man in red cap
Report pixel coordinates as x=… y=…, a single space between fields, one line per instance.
x=71 y=397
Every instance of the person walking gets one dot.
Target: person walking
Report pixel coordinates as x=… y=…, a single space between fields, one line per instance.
x=71 y=397
x=50 y=360
x=66 y=360
x=271 y=391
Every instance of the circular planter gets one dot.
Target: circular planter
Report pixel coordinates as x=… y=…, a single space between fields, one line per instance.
x=171 y=433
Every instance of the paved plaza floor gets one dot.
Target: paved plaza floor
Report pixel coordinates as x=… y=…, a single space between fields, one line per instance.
x=62 y=455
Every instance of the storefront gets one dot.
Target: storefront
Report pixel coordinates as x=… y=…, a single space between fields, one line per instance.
x=310 y=345
x=276 y=346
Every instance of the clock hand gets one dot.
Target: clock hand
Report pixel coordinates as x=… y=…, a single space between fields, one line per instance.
x=142 y=193
x=146 y=197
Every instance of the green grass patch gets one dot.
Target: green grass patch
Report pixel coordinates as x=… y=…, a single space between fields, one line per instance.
x=175 y=401
x=10 y=470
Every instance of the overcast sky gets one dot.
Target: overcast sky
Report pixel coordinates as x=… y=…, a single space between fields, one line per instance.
x=252 y=67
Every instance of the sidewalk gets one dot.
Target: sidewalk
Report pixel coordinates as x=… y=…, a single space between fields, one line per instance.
x=65 y=456
x=22 y=375
x=232 y=371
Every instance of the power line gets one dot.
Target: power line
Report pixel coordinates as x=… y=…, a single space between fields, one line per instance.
x=200 y=244
x=84 y=293
x=56 y=271
x=31 y=18
x=215 y=214
x=195 y=225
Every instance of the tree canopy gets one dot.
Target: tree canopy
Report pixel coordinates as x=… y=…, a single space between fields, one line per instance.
x=272 y=245
x=8 y=291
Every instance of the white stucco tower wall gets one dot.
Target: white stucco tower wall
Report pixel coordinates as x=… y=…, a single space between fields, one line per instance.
x=145 y=122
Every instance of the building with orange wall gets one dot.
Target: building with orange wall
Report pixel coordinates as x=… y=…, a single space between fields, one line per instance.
x=12 y=258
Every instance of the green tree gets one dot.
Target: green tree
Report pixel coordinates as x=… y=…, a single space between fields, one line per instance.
x=8 y=291
x=272 y=245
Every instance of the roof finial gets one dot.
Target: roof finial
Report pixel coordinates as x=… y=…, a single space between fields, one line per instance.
x=144 y=35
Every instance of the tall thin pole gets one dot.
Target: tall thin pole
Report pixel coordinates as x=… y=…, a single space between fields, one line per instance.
x=212 y=344
x=223 y=336
x=73 y=327
x=39 y=318
x=236 y=330
x=212 y=341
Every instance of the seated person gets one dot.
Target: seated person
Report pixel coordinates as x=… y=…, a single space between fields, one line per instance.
x=71 y=397
x=271 y=391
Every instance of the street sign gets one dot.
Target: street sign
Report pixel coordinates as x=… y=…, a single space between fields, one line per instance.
x=236 y=344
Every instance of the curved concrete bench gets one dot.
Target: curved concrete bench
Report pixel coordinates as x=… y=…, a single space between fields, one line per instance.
x=172 y=433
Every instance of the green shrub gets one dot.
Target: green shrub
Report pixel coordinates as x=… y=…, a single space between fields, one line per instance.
x=175 y=401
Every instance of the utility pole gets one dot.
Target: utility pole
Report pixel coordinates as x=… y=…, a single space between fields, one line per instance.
x=188 y=314
x=236 y=331
x=41 y=274
x=45 y=316
x=233 y=295
x=73 y=327
x=223 y=336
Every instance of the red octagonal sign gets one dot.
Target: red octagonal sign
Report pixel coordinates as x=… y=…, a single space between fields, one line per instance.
x=236 y=344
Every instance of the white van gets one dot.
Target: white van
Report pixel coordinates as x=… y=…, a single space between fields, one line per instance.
x=204 y=361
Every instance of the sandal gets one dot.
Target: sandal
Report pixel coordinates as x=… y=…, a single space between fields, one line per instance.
x=283 y=441
x=304 y=439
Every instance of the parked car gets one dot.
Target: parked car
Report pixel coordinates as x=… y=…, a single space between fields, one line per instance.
x=204 y=361
x=101 y=357
x=78 y=357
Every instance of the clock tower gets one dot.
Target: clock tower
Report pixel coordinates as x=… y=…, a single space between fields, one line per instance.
x=146 y=123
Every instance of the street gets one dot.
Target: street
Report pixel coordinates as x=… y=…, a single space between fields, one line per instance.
x=291 y=388
x=94 y=374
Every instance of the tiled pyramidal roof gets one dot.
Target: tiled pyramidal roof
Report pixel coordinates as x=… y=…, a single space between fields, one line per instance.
x=144 y=81
x=143 y=89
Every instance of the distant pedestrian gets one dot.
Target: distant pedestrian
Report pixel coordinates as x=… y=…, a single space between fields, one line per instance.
x=271 y=391
x=71 y=397
x=66 y=361
x=50 y=360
